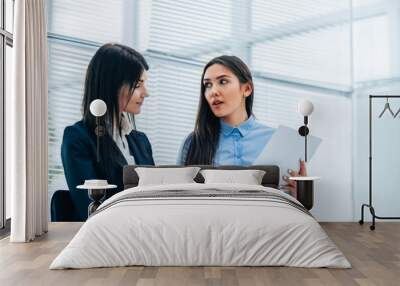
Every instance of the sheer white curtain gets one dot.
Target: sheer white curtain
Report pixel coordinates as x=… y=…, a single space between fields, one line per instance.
x=27 y=117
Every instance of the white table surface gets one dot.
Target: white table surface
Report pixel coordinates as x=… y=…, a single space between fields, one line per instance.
x=302 y=178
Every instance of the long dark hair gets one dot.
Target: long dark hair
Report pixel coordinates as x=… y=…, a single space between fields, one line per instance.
x=205 y=137
x=112 y=67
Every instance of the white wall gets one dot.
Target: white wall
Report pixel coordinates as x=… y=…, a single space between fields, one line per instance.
x=342 y=159
x=332 y=121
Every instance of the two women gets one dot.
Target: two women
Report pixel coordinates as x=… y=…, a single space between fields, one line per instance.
x=226 y=131
x=117 y=75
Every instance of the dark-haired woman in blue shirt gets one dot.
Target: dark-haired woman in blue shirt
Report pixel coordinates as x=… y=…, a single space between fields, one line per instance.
x=226 y=132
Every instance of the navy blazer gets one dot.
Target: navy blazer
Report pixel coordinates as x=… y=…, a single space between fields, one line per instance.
x=78 y=154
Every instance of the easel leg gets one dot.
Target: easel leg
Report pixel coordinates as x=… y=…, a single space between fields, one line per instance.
x=372 y=210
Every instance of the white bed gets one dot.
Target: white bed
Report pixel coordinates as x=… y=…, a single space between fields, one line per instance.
x=224 y=225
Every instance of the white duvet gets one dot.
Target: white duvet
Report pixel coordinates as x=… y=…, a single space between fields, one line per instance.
x=182 y=231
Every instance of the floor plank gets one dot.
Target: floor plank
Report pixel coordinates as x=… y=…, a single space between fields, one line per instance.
x=374 y=255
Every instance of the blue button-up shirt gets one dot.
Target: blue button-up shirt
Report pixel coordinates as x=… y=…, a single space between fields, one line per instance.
x=240 y=145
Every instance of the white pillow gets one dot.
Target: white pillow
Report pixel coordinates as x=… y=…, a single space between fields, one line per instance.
x=166 y=176
x=248 y=177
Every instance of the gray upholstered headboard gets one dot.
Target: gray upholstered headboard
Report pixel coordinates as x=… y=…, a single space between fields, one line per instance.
x=270 y=179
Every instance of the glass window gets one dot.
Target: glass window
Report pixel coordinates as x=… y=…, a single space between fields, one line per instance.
x=179 y=39
x=293 y=39
x=1 y=14
x=92 y=20
x=372 y=49
x=2 y=205
x=9 y=9
x=67 y=69
x=8 y=74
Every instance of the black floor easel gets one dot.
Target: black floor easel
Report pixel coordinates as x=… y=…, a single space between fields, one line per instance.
x=369 y=205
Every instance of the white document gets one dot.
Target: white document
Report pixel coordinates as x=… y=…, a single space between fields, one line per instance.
x=286 y=148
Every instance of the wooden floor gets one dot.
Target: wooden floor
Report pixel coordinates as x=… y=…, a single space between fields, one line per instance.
x=374 y=255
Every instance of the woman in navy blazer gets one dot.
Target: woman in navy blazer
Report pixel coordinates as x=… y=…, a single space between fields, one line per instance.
x=116 y=74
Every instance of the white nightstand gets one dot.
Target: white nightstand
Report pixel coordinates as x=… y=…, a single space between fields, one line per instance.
x=305 y=190
x=96 y=191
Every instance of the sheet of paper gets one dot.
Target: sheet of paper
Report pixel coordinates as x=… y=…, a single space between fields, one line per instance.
x=286 y=148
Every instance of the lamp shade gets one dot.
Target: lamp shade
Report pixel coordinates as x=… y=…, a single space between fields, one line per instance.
x=98 y=107
x=305 y=107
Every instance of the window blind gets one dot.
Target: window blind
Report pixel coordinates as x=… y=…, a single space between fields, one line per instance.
x=371 y=40
x=303 y=39
x=276 y=38
x=185 y=28
x=97 y=21
x=67 y=69
x=169 y=113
